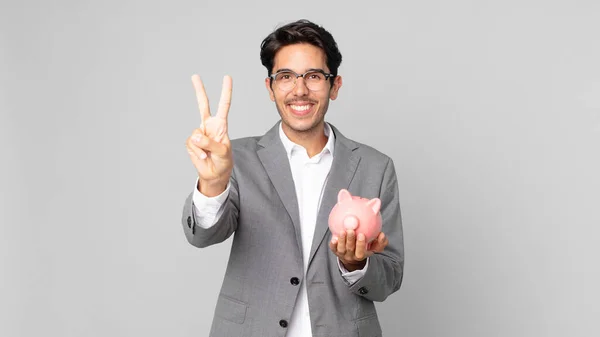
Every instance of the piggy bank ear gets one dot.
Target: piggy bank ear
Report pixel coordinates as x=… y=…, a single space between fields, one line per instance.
x=344 y=195
x=374 y=204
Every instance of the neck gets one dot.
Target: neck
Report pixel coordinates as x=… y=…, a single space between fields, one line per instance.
x=313 y=140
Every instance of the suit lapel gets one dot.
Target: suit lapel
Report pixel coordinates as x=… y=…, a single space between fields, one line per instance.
x=275 y=161
x=343 y=168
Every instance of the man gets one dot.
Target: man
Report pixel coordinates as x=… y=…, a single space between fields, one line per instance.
x=287 y=275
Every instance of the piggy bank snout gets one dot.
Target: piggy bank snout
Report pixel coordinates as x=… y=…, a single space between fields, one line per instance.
x=351 y=222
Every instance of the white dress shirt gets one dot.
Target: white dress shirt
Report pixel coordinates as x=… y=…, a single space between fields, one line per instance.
x=310 y=176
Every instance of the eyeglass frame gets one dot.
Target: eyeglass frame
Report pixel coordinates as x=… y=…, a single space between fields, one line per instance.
x=327 y=76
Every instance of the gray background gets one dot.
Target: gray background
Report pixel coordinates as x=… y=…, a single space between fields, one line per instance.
x=490 y=110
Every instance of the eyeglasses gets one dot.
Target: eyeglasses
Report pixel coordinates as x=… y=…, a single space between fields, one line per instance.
x=314 y=80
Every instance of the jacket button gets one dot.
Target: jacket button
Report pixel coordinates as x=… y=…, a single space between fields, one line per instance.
x=294 y=281
x=362 y=290
x=189 y=221
x=283 y=323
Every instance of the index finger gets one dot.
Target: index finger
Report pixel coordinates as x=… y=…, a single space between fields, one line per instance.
x=225 y=101
x=201 y=97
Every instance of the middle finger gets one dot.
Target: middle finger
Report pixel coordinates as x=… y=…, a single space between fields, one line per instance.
x=350 y=241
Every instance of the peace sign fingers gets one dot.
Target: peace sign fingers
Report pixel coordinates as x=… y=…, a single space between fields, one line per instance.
x=202 y=98
x=225 y=102
x=209 y=146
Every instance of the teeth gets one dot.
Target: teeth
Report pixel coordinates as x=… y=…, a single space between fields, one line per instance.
x=300 y=107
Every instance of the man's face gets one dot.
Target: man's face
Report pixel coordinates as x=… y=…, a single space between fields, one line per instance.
x=300 y=108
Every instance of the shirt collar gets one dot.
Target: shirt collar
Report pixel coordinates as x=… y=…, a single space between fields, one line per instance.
x=291 y=146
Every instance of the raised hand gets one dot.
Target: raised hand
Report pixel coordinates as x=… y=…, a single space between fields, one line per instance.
x=209 y=146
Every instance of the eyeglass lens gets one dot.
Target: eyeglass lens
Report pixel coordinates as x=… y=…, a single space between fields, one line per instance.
x=313 y=80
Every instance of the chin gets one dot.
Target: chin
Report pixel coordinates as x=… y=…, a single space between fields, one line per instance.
x=301 y=125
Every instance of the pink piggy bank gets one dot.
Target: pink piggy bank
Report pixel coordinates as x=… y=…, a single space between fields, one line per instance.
x=353 y=212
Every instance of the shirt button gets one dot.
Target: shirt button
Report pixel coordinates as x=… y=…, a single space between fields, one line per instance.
x=363 y=290
x=294 y=281
x=283 y=323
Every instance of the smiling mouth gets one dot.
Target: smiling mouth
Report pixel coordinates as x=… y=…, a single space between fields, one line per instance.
x=301 y=109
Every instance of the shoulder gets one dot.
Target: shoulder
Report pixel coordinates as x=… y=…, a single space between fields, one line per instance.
x=245 y=144
x=245 y=150
x=371 y=153
x=367 y=152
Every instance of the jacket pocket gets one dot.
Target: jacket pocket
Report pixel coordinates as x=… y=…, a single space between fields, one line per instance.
x=368 y=326
x=231 y=309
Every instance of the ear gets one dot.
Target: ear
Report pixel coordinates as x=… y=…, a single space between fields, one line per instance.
x=337 y=84
x=344 y=195
x=268 y=86
x=374 y=204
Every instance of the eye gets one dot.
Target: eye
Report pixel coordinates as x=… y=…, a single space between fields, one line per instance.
x=315 y=76
x=286 y=76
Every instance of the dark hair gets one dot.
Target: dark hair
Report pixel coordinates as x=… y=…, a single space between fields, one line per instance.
x=301 y=31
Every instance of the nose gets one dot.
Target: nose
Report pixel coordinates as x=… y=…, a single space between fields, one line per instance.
x=300 y=89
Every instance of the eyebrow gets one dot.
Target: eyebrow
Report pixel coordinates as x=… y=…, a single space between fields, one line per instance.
x=310 y=69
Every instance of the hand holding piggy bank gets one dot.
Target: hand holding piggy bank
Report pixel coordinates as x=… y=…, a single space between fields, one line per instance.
x=356 y=213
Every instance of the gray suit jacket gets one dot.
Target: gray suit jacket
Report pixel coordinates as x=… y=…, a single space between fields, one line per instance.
x=260 y=286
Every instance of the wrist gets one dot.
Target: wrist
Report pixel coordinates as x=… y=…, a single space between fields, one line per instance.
x=352 y=266
x=212 y=188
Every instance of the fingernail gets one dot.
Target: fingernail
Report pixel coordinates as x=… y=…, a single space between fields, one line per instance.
x=202 y=155
x=361 y=237
x=196 y=139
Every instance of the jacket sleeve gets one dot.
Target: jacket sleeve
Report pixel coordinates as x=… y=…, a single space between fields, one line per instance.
x=385 y=272
x=221 y=230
